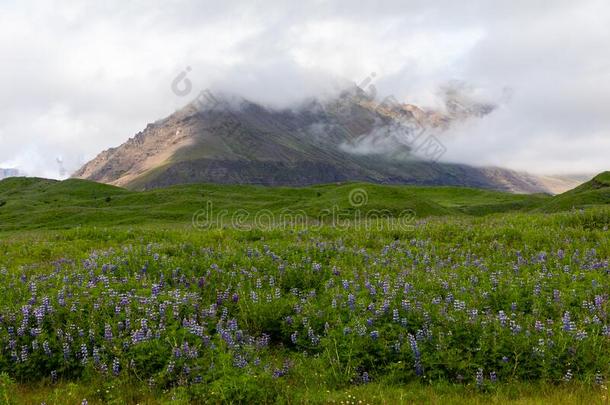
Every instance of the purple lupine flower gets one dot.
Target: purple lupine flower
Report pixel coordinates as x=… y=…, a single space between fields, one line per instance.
x=459 y=305
x=479 y=377
x=84 y=353
x=599 y=301
x=24 y=353
x=365 y=377
x=239 y=361
x=351 y=301
x=39 y=314
x=107 y=332
x=537 y=289
x=314 y=339
x=232 y=324
x=567 y=324
x=581 y=335
x=155 y=290
x=599 y=378
x=96 y=355
x=138 y=336
x=116 y=367
x=416 y=354
x=264 y=340
x=515 y=328
x=46 y=348
x=502 y=318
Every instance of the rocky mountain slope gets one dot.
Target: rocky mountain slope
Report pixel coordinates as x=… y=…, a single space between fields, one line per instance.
x=350 y=137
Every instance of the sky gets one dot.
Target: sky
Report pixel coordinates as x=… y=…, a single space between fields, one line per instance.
x=78 y=77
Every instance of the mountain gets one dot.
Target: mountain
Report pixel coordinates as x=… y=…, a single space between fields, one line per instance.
x=230 y=140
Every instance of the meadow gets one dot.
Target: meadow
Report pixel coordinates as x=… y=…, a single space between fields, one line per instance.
x=483 y=297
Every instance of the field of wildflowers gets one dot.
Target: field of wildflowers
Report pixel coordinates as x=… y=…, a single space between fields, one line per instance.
x=146 y=314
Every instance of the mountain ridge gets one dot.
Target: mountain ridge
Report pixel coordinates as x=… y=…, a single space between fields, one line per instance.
x=348 y=138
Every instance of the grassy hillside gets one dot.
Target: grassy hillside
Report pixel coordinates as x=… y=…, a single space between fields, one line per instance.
x=451 y=311
x=30 y=203
x=592 y=193
x=460 y=307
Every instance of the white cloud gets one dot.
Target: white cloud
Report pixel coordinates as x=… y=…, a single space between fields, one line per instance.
x=78 y=77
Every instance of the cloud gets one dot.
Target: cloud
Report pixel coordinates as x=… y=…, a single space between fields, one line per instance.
x=78 y=78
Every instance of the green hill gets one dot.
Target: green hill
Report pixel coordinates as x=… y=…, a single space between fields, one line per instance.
x=32 y=203
x=35 y=203
x=594 y=192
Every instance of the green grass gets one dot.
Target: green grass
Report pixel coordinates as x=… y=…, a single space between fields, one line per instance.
x=320 y=377
x=29 y=203
x=94 y=245
x=32 y=203
x=592 y=193
x=414 y=393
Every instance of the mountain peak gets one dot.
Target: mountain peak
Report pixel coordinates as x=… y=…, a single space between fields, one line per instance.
x=223 y=138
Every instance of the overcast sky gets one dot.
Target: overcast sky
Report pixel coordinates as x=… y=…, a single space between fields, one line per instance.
x=77 y=77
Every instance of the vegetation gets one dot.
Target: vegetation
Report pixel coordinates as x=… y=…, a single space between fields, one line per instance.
x=46 y=204
x=114 y=297
x=593 y=193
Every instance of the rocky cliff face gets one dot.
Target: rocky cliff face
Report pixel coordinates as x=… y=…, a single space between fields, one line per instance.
x=231 y=140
